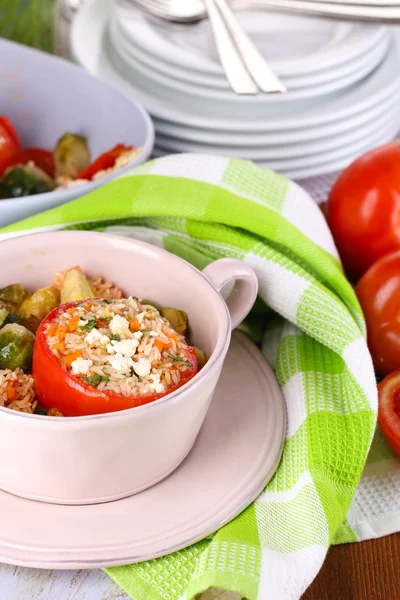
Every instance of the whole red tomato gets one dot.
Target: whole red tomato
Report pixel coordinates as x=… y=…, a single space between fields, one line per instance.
x=389 y=410
x=363 y=210
x=379 y=294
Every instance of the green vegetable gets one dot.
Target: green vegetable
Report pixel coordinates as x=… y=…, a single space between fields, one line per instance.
x=32 y=23
x=151 y=303
x=24 y=180
x=93 y=380
x=12 y=296
x=34 y=309
x=3 y=316
x=75 y=286
x=114 y=337
x=201 y=358
x=39 y=410
x=16 y=347
x=7 y=317
x=180 y=359
x=178 y=319
x=91 y=324
x=71 y=155
x=144 y=330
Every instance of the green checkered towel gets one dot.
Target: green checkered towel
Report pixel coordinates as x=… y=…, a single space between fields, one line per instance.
x=311 y=330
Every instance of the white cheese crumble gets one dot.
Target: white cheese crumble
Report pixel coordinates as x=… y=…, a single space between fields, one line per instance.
x=142 y=367
x=125 y=347
x=119 y=325
x=96 y=337
x=157 y=386
x=121 y=364
x=80 y=366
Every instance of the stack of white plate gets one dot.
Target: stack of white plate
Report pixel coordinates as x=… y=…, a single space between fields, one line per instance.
x=342 y=80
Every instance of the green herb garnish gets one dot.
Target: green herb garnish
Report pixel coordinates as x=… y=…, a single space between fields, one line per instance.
x=39 y=410
x=107 y=301
x=91 y=324
x=144 y=330
x=179 y=359
x=148 y=309
x=114 y=337
x=93 y=380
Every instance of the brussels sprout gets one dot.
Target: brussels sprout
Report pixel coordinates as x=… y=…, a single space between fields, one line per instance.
x=16 y=347
x=151 y=303
x=177 y=318
x=12 y=296
x=3 y=316
x=24 y=180
x=71 y=155
x=201 y=358
x=12 y=319
x=34 y=309
x=75 y=286
x=7 y=317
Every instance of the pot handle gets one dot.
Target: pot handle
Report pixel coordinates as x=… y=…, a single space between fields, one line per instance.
x=244 y=293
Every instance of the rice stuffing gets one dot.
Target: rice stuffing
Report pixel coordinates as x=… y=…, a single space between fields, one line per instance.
x=122 y=346
x=17 y=390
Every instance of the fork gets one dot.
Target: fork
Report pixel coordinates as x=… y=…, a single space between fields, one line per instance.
x=244 y=67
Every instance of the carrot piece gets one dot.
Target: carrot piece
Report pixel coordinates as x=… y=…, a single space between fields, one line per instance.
x=73 y=324
x=134 y=325
x=53 y=330
x=61 y=331
x=161 y=345
x=59 y=346
x=11 y=393
x=71 y=357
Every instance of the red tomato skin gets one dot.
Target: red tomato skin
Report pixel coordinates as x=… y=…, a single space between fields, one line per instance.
x=363 y=210
x=42 y=159
x=378 y=292
x=11 y=153
x=389 y=410
x=104 y=161
x=56 y=388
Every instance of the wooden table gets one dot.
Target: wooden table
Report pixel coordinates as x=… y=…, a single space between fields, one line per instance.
x=365 y=571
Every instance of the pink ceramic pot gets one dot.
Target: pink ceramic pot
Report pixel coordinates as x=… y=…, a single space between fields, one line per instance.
x=85 y=460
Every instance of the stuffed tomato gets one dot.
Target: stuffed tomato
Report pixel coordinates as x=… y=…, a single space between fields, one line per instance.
x=99 y=356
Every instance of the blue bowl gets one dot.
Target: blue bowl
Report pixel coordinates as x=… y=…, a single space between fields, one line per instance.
x=46 y=96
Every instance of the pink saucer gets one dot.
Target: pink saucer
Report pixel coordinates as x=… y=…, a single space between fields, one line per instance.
x=235 y=455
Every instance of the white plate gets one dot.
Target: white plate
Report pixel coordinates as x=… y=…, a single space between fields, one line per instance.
x=171 y=105
x=291 y=151
x=315 y=170
x=282 y=165
x=206 y=98
x=292 y=44
x=88 y=48
x=157 y=64
x=236 y=453
x=261 y=139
